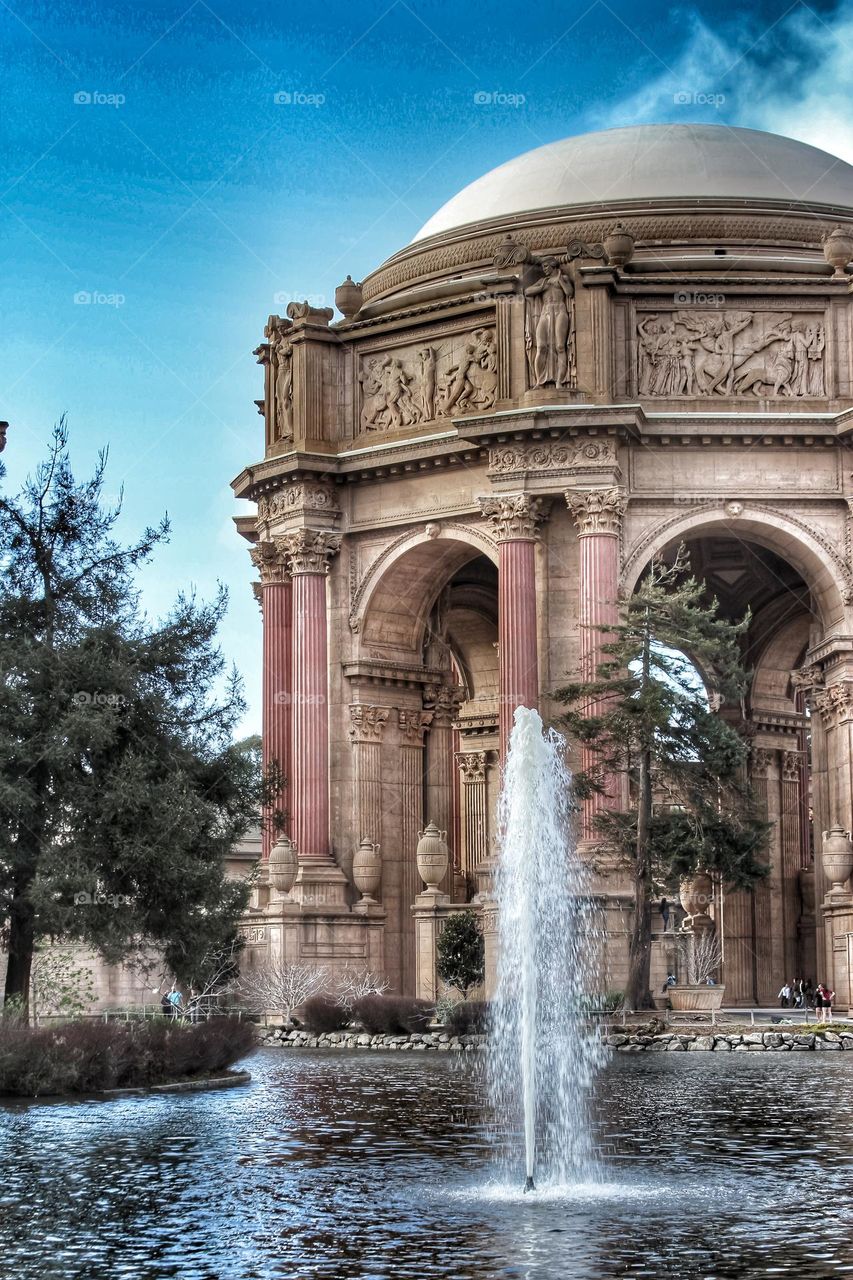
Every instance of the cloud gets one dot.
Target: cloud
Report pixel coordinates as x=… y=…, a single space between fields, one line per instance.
x=794 y=77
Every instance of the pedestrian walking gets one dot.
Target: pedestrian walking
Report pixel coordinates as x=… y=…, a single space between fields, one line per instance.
x=828 y=997
x=784 y=996
x=664 y=913
x=820 y=1005
x=176 y=1001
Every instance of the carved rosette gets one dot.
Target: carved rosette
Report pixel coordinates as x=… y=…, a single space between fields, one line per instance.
x=270 y=561
x=835 y=703
x=309 y=550
x=597 y=511
x=367 y=723
x=444 y=700
x=413 y=726
x=561 y=459
x=472 y=766
x=514 y=517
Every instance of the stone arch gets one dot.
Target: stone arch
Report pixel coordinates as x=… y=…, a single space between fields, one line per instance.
x=393 y=600
x=772 y=686
x=822 y=568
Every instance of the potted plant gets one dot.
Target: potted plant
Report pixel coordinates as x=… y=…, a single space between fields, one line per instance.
x=701 y=958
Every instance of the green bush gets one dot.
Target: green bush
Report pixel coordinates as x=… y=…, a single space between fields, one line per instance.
x=393 y=1015
x=461 y=953
x=85 y=1057
x=321 y=1014
x=470 y=1018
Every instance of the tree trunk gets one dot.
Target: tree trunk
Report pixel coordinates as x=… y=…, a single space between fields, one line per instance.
x=21 y=948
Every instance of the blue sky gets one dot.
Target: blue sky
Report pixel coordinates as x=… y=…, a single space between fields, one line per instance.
x=188 y=204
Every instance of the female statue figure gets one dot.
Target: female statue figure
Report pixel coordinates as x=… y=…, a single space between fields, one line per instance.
x=548 y=325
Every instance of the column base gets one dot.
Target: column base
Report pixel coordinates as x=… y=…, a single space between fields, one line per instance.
x=369 y=907
x=320 y=885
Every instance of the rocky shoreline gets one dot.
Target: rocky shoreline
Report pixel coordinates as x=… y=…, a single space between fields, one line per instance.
x=438 y=1041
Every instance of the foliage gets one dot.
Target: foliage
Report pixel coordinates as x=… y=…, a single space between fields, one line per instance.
x=468 y=1018
x=643 y=716
x=280 y=987
x=701 y=955
x=84 y=1056
x=121 y=788
x=461 y=953
x=354 y=984
x=393 y=1015
x=322 y=1013
x=61 y=985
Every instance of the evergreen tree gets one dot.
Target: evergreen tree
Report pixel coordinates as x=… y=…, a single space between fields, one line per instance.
x=461 y=953
x=644 y=714
x=121 y=791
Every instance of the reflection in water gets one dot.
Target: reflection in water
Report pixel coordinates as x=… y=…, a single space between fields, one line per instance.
x=379 y=1165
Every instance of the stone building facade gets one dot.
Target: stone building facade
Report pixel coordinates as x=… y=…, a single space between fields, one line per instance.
x=604 y=348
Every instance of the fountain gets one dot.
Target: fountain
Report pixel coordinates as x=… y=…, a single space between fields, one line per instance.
x=542 y=1058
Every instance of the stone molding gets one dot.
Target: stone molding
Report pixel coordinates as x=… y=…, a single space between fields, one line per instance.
x=598 y=511
x=309 y=550
x=271 y=562
x=297 y=499
x=413 y=725
x=516 y=460
x=514 y=517
x=367 y=723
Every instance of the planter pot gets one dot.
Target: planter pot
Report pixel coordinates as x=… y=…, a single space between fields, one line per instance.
x=696 y=894
x=838 y=251
x=619 y=246
x=689 y=999
x=432 y=856
x=283 y=864
x=661 y=1002
x=837 y=856
x=348 y=298
x=367 y=869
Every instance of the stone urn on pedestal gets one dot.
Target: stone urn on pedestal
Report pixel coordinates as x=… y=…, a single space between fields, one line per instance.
x=367 y=870
x=701 y=950
x=837 y=856
x=283 y=865
x=838 y=251
x=432 y=856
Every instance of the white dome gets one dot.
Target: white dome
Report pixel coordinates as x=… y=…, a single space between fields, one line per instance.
x=647 y=162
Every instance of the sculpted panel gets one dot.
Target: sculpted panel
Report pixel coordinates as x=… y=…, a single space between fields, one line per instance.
x=730 y=353
x=455 y=376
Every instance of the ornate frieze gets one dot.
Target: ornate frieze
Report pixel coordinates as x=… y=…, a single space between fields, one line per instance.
x=730 y=353
x=367 y=723
x=297 y=498
x=413 y=725
x=271 y=562
x=441 y=379
x=309 y=550
x=597 y=510
x=514 y=516
x=561 y=459
x=549 y=327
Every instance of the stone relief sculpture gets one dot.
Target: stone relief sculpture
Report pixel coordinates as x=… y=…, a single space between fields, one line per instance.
x=549 y=336
x=730 y=353
x=454 y=377
x=280 y=356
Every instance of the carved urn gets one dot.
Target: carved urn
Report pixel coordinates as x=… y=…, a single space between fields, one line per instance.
x=837 y=857
x=696 y=893
x=838 y=251
x=432 y=855
x=283 y=864
x=367 y=869
x=348 y=298
x=619 y=246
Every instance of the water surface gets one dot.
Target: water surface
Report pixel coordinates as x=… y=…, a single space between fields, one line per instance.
x=379 y=1165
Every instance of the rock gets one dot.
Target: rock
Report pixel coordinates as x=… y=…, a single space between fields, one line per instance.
x=616 y=1040
x=721 y=1045
x=772 y=1039
x=807 y=1040
x=753 y=1037
x=801 y=1048
x=364 y=1039
x=740 y=1048
x=820 y=1043
x=701 y=1044
x=674 y=1045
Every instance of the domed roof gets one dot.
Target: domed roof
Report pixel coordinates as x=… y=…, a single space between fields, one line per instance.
x=647 y=162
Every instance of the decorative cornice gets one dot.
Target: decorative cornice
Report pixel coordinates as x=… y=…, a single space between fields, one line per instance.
x=567 y=459
x=413 y=725
x=367 y=723
x=597 y=511
x=514 y=517
x=271 y=563
x=309 y=550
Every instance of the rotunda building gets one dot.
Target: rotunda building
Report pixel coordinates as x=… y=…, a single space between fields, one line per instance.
x=606 y=347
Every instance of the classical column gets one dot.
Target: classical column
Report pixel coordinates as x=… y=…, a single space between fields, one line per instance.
x=413 y=726
x=515 y=519
x=597 y=514
x=444 y=701
x=276 y=599
x=475 y=821
x=762 y=773
x=789 y=824
x=365 y=732
x=832 y=748
x=309 y=553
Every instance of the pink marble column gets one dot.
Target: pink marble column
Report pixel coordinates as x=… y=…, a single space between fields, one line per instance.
x=276 y=596
x=514 y=519
x=597 y=514
x=309 y=552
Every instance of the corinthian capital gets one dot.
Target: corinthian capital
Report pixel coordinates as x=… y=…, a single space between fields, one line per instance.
x=309 y=550
x=597 y=510
x=413 y=725
x=367 y=723
x=514 y=516
x=270 y=562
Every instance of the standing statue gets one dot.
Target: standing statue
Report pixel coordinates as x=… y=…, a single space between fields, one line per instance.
x=549 y=328
x=428 y=368
x=283 y=429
